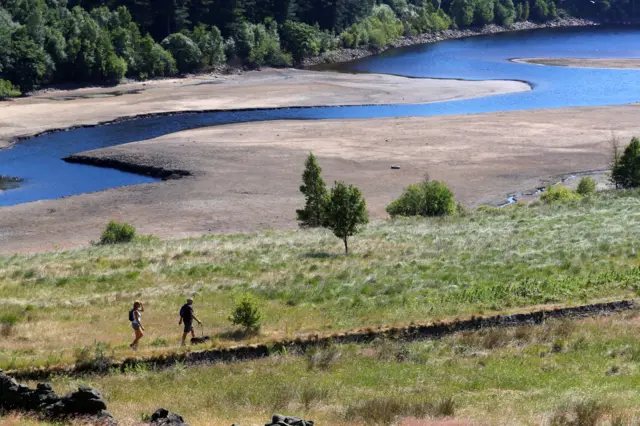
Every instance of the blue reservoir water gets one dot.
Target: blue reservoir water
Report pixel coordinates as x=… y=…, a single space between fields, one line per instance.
x=38 y=160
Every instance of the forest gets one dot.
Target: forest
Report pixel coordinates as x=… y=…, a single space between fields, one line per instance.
x=103 y=41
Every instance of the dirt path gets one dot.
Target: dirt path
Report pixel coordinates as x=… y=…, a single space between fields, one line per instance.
x=258 y=89
x=583 y=62
x=405 y=333
x=246 y=176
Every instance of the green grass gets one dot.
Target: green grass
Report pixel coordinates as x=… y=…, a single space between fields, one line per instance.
x=400 y=271
x=524 y=375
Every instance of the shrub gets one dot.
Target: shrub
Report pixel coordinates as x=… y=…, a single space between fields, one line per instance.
x=377 y=30
x=8 y=321
x=186 y=53
x=247 y=314
x=300 y=39
x=322 y=358
x=626 y=168
x=94 y=358
x=430 y=198
x=385 y=410
x=7 y=90
x=345 y=211
x=210 y=43
x=586 y=186
x=557 y=193
x=155 y=60
x=584 y=413
x=116 y=233
x=315 y=193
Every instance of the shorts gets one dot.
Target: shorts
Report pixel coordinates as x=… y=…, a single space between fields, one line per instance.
x=135 y=326
x=188 y=326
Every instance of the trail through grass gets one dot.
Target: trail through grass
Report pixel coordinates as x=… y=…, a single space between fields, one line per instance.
x=525 y=375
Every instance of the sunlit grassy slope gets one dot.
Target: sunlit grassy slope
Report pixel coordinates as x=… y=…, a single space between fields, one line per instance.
x=399 y=271
x=561 y=373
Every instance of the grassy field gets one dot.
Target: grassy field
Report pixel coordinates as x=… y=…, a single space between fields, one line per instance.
x=562 y=373
x=62 y=307
x=55 y=304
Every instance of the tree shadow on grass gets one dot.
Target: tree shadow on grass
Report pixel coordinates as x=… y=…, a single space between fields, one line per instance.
x=321 y=255
x=236 y=334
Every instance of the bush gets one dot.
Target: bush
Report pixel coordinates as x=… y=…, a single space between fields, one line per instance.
x=584 y=413
x=386 y=410
x=210 y=43
x=429 y=198
x=7 y=90
x=97 y=358
x=377 y=31
x=557 y=193
x=586 y=186
x=626 y=168
x=155 y=60
x=186 y=53
x=247 y=314
x=322 y=358
x=300 y=39
x=116 y=233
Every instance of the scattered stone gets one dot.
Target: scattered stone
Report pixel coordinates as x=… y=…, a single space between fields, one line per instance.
x=395 y=167
x=85 y=403
x=162 y=417
x=280 y=420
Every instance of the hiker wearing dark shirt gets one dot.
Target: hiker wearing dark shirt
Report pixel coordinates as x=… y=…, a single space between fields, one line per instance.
x=187 y=316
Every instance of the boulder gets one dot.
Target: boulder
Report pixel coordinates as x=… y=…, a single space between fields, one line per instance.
x=85 y=403
x=85 y=400
x=162 y=417
x=280 y=420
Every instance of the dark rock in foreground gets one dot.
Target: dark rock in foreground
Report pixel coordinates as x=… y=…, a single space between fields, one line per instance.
x=280 y=420
x=162 y=417
x=84 y=403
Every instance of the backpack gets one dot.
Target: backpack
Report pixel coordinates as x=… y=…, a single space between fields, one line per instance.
x=131 y=317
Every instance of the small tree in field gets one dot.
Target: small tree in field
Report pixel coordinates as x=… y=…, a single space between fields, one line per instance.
x=626 y=168
x=315 y=194
x=247 y=314
x=345 y=212
x=586 y=186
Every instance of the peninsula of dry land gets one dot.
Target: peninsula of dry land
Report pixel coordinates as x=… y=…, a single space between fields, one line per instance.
x=59 y=109
x=631 y=63
x=246 y=176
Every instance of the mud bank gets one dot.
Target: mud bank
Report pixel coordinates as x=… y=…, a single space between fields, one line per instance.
x=270 y=88
x=583 y=62
x=230 y=165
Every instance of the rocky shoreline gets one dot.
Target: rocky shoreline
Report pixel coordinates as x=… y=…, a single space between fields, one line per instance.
x=9 y=182
x=346 y=55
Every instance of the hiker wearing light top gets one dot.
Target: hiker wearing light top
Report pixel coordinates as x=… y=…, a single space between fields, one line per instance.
x=187 y=316
x=136 y=323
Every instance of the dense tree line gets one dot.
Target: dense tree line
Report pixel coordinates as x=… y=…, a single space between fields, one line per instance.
x=52 y=41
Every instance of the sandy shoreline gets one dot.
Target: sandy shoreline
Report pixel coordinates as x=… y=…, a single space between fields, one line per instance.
x=258 y=89
x=246 y=176
x=629 y=63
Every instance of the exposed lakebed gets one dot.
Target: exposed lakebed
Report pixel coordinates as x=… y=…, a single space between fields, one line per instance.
x=39 y=162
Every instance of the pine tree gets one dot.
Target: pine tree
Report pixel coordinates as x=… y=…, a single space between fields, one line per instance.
x=626 y=169
x=345 y=212
x=315 y=193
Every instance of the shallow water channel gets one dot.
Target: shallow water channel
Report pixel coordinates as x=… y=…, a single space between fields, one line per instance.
x=39 y=160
